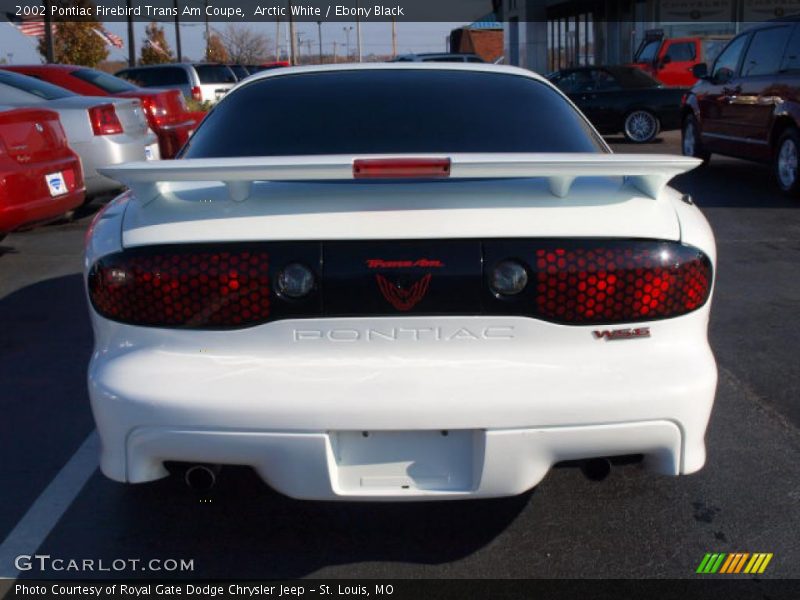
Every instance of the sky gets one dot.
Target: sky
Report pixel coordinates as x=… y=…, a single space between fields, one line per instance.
x=376 y=38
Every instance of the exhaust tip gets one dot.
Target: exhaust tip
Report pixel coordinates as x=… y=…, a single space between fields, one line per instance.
x=596 y=469
x=201 y=478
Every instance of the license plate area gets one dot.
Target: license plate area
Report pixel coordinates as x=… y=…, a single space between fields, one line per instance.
x=406 y=460
x=56 y=183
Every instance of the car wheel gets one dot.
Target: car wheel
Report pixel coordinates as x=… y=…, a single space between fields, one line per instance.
x=641 y=126
x=690 y=140
x=786 y=162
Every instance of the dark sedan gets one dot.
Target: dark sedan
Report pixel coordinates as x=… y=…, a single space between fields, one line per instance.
x=622 y=99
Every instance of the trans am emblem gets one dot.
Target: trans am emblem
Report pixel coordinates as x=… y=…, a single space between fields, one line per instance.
x=403 y=299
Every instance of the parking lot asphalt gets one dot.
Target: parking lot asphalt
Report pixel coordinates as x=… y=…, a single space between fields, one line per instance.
x=633 y=524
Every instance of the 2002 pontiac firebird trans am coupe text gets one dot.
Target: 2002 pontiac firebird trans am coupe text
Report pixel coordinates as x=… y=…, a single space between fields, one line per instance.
x=405 y=281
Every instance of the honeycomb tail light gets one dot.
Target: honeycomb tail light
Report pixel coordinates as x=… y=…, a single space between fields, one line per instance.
x=183 y=287
x=618 y=282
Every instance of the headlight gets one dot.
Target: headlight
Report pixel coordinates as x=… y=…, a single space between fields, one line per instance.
x=509 y=278
x=295 y=281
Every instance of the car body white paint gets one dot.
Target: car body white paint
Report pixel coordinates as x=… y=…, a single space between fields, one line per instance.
x=357 y=408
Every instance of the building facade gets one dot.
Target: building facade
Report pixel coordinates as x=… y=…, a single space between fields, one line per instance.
x=546 y=35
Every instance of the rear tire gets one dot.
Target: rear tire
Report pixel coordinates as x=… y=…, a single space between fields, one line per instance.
x=785 y=163
x=641 y=126
x=690 y=140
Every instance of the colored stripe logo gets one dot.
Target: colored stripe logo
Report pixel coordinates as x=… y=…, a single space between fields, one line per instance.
x=734 y=563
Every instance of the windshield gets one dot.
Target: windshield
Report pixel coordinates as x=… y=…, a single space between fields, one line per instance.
x=392 y=111
x=107 y=83
x=36 y=87
x=648 y=52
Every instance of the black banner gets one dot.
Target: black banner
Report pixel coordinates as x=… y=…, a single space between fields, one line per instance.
x=400 y=589
x=486 y=12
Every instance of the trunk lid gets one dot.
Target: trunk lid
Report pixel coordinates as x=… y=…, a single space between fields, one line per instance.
x=32 y=135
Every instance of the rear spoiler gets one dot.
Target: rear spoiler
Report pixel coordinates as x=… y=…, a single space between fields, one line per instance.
x=649 y=173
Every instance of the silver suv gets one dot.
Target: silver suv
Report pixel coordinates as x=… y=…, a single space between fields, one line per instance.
x=198 y=81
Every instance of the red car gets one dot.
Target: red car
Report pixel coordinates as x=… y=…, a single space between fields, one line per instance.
x=165 y=109
x=40 y=176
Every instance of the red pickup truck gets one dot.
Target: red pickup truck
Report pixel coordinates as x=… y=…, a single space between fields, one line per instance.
x=670 y=60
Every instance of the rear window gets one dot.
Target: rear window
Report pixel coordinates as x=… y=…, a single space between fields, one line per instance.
x=31 y=85
x=157 y=76
x=239 y=71
x=392 y=111
x=106 y=82
x=633 y=78
x=215 y=74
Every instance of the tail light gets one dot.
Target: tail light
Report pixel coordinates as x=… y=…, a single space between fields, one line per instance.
x=156 y=114
x=596 y=282
x=104 y=120
x=571 y=282
x=197 y=94
x=401 y=168
x=178 y=289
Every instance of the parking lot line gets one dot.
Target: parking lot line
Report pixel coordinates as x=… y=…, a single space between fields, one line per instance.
x=48 y=508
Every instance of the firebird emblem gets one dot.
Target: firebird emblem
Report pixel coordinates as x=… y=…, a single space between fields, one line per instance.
x=402 y=299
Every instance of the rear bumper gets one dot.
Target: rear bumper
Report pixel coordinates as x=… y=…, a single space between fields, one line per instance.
x=282 y=397
x=25 y=198
x=417 y=465
x=103 y=151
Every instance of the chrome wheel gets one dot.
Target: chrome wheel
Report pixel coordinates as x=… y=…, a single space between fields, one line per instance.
x=688 y=139
x=641 y=126
x=787 y=164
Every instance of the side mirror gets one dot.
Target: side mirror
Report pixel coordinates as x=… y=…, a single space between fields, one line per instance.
x=700 y=70
x=665 y=60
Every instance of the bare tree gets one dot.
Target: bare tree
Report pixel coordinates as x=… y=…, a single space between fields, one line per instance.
x=244 y=45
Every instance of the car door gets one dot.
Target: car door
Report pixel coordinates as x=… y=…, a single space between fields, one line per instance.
x=713 y=93
x=579 y=85
x=757 y=91
x=603 y=100
x=674 y=67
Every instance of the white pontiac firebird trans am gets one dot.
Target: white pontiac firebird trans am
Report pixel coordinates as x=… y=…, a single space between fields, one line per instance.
x=399 y=282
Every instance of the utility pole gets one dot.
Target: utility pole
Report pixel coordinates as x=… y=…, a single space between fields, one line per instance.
x=319 y=35
x=131 y=40
x=177 y=31
x=277 y=38
x=334 y=52
x=292 y=37
x=208 y=31
x=299 y=57
x=347 y=31
x=358 y=33
x=48 y=34
x=394 y=37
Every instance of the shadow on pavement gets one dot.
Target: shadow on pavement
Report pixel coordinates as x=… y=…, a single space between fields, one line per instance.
x=45 y=344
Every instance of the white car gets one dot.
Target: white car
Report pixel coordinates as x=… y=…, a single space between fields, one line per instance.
x=400 y=281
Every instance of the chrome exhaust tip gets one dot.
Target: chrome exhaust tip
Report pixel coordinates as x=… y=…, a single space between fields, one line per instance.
x=201 y=478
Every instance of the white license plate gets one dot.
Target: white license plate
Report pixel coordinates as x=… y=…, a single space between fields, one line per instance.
x=56 y=183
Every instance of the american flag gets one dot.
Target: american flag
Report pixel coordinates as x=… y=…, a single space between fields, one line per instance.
x=156 y=46
x=108 y=37
x=31 y=25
